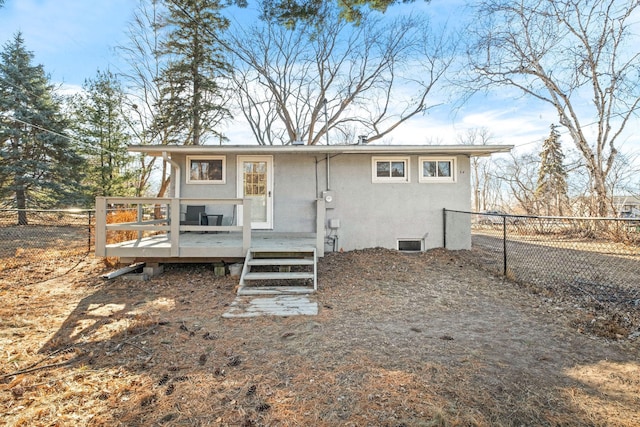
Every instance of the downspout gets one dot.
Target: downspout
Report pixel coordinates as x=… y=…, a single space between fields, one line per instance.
x=175 y=165
x=328 y=180
x=326 y=130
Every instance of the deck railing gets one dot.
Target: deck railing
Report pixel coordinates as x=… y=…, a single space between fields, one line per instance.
x=162 y=215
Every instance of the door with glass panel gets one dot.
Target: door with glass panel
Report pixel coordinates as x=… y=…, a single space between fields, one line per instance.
x=255 y=182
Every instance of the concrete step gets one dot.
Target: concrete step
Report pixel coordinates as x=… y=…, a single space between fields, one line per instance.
x=272 y=305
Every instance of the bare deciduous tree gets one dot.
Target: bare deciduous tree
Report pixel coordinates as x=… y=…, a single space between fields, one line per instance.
x=482 y=179
x=578 y=56
x=300 y=84
x=144 y=67
x=520 y=174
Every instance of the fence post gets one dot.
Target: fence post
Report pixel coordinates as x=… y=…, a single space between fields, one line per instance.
x=101 y=226
x=89 y=233
x=444 y=228
x=504 y=244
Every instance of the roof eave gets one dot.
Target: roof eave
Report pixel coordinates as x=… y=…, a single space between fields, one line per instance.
x=470 y=150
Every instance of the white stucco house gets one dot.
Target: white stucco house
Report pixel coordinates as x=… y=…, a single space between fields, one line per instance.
x=627 y=206
x=295 y=199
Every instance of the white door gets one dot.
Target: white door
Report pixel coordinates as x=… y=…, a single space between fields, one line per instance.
x=255 y=182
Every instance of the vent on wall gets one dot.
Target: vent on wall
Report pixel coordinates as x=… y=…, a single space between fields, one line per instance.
x=408 y=245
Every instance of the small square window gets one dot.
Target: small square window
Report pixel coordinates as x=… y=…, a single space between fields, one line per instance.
x=437 y=169
x=206 y=170
x=429 y=169
x=397 y=169
x=390 y=169
x=383 y=169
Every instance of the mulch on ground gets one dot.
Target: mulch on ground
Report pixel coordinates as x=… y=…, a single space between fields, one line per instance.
x=400 y=340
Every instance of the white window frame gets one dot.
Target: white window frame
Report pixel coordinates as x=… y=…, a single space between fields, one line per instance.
x=441 y=179
x=206 y=181
x=390 y=179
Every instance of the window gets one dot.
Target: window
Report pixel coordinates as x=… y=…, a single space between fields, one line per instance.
x=206 y=170
x=406 y=245
x=437 y=169
x=391 y=169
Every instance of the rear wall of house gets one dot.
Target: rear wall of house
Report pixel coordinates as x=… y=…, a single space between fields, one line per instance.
x=381 y=214
x=370 y=214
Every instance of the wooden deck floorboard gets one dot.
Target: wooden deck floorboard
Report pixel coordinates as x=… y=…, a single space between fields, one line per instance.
x=206 y=245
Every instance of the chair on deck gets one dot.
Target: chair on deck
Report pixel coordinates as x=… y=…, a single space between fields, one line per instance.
x=193 y=215
x=197 y=215
x=216 y=220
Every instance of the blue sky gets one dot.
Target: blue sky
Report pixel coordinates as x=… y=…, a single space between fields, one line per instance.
x=70 y=38
x=74 y=38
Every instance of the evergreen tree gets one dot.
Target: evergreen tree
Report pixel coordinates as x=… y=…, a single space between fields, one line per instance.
x=192 y=97
x=551 y=190
x=290 y=12
x=102 y=127
x=39 y=166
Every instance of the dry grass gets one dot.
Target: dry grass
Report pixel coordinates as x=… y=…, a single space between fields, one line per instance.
x=118 y=217
x=50 y=236
x=401 y=340
x=25 y=245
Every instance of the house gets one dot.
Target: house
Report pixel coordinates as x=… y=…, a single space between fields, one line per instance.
x=296 y=200
x=627 y=206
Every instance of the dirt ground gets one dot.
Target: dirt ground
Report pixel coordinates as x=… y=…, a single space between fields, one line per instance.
x=425 y=339
x=603 y=279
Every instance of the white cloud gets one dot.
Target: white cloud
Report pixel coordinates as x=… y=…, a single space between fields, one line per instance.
x=71 y=38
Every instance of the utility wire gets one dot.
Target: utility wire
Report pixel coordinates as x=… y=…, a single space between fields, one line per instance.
x=565 y=131
x=67 y=137
x=42 y=128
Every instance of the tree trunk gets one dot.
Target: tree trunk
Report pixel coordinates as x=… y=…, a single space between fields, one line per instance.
x=601 y=196
x=164 y=180
x=164 y=185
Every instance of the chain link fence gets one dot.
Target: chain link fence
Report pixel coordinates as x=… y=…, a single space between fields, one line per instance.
x=556 y=250
x=593 y=261
x=50 y=241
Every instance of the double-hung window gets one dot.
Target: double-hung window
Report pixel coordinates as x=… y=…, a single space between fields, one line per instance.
x=437 y=169
x=390 y=169
x=206 y=169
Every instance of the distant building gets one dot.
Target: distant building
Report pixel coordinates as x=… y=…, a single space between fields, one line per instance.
x=627 y=206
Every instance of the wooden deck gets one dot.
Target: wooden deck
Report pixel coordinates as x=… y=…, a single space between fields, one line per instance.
x=194 y=245
x=162 y=236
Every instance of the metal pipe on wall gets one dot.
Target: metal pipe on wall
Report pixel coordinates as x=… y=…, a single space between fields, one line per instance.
x=326 y=133
x=328 y=180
